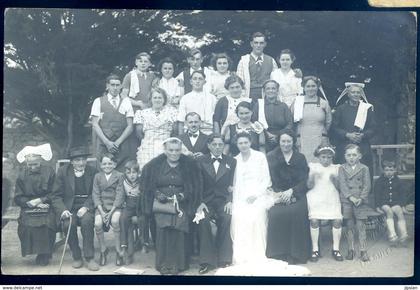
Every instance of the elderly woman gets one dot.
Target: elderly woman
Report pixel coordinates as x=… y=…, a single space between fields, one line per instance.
x=224 y=113
x=36 y=224
x=354 y=122
x=312 y=117
x=254 y=129
x=172 y=188
x=153 y=126
x=273 y=114
x=289 y=79
x=288 y=236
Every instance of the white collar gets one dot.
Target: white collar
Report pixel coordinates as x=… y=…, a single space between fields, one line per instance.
x=107 y=176
x=110 y=97
x=214 y=157
x=198 y=133
x=256 y=57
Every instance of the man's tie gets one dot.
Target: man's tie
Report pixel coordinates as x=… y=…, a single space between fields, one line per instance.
x=217 y=159
x=193 y=135
x=114 y=103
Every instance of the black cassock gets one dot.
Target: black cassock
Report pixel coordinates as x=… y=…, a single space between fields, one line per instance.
x=288 y=235
x=36 y=231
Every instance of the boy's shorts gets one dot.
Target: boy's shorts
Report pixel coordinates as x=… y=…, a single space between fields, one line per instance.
x=361 y=212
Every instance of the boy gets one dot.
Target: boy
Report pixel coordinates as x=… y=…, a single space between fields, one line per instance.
x=132 y=208
x=390 y=198
x=199 y=101
x=137 y=84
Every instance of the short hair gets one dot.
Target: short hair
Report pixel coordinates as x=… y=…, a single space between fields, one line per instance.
x=145 y=54
x=271 y=81
x=233 y=78
x=243 y=104
x=218 y=56
x=166 y=60
x=112 y=77
x=198 y=72
x=257 y=34
x=288 y=132
x=311 y=78
x=194 y=51
x=213 y=136
x=352 y=146
x=160 y=91
x=289 y=52
x=132 y=164
x=191 y=114
x=389 y=163
x=109 y=155
x=243 y=134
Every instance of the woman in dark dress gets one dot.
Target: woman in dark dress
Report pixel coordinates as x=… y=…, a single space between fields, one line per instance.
x=354 y=122
x=254 y=129
x=288 y=236
x=273 y=114
x=172 y=178
x=36 y=223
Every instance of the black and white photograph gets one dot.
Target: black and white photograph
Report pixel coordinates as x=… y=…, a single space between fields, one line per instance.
x=209 y=143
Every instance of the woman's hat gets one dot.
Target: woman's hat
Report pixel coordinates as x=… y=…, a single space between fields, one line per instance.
x=79 y=151
x=44 y=151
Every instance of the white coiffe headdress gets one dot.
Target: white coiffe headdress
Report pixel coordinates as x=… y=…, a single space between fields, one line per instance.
x=43 y=150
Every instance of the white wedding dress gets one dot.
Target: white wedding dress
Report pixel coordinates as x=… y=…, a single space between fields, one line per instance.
x=249 y=222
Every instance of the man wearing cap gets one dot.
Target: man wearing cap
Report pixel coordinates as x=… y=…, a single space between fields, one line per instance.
x=72 y=197
x=255 y=68
x=36 y=223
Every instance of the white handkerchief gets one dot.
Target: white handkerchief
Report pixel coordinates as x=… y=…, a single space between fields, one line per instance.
x=198 y=217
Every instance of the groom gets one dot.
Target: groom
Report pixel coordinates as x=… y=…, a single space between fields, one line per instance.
x=217 y=173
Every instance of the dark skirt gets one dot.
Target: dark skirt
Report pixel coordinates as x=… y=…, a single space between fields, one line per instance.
x=36 y=240
x=171 y=252
x=288 y=235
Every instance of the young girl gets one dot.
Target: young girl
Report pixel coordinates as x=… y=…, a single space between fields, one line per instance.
x=354 y=184
x=390 y=197
x=215 y=84
x=138 y=82
x=168 y=82
x=108 y=197
x=324 y=199
x=290 y=79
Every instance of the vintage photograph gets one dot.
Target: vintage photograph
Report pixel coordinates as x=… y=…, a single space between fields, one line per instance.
x=208 y=143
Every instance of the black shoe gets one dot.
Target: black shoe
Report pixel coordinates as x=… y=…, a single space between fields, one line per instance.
x=314 y=257
x=118 y=260
x=103 y=258
x=364 y=256
x=350 y=255
x=38 y=259
x=204 y=268
x=44 y=260
x=337 y=256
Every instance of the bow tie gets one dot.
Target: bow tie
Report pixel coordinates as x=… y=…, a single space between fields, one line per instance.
x=216 y=159
x=193 y=135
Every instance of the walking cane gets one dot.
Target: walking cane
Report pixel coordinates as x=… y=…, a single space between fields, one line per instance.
x=65 y=245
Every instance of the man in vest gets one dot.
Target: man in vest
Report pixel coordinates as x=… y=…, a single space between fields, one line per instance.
x=255 y=68
x=195 y=59
x=112 y=124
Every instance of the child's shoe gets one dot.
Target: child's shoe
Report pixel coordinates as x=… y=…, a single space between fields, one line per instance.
x=364 y=256
x=393 y=241
x=350 y=255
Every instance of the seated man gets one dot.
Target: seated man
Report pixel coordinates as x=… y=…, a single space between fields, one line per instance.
x=194 y=140
x=216 y=204
x=72 y=196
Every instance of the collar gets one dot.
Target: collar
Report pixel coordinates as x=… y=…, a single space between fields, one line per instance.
x=136 y=182
x=110 y=97
x=198 y=133
x=193 y=70
x=274 y=102
x=214 y=157
x=256 y=57
x=78 y=173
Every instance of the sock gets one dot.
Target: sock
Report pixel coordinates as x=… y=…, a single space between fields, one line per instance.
x=314 y=238
x=391 y=228
x=336 y=233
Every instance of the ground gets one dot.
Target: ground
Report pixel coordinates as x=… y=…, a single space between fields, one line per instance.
x=385 y=261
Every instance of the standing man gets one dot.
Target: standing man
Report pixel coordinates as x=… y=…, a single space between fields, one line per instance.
x=216 y=204
x=255 y=68
x=199 y=101
x=112 y=124
x=72 y=196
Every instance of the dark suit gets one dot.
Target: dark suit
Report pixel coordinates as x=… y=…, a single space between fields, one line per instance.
x=199 y=146
x=64 y=197
x=214 y=250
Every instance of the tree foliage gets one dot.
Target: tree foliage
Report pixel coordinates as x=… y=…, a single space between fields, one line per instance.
x=56 y=60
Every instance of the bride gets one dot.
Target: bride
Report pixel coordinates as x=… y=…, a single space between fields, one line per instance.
x=252 y=197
